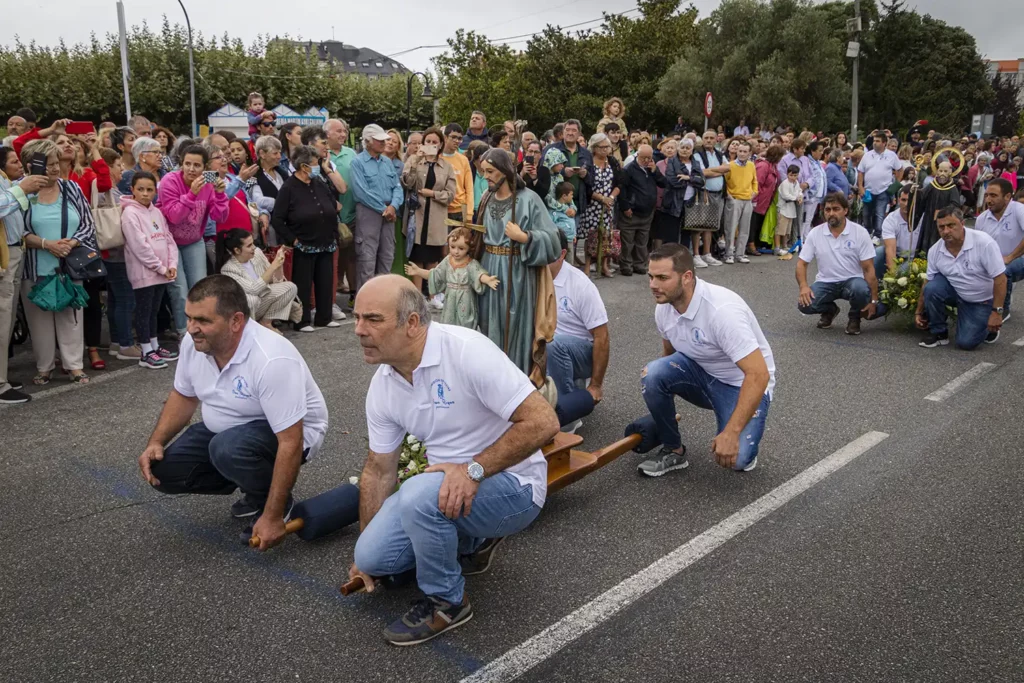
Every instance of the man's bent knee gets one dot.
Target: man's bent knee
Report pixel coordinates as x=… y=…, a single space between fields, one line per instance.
x=419 y=494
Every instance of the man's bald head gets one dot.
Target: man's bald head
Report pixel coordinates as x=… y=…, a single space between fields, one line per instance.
x=645 y=155
x=16 y=125
x=391 y=319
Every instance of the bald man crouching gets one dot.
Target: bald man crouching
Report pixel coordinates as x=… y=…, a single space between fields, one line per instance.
x=483 y=424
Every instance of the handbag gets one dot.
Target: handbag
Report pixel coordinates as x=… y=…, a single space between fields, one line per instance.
x=56 y=291
x=107 y=220
x=703 y=214
x=82 y=262
x=344 y=235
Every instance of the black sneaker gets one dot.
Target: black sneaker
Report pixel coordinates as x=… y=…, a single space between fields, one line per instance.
x=992 y=337
x=479 y=561
x=428 y=618
x=664 y=462
x=245 y=507
x=12 y=396
x=933 y=340
x=19 y=386
x=825 y=321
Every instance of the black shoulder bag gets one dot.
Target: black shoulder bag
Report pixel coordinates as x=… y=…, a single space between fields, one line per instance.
x=82 y=263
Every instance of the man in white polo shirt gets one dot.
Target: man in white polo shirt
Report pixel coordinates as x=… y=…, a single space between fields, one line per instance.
x=875 y=175
x=846 y=268
x=483 y=424
x=579 y=350
x=263 y=414
x=714 y=356
x=1004 y=222
x=966 y=270
x=897 y=240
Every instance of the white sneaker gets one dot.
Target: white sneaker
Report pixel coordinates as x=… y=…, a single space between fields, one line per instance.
x=711 y=260
x=572 y=427
x=743 y=259
x=333 y=323
x=778 y=252
x=698 y=262
x=112 y=350
x=751 y=466
x=721 y=243
x=337 y=313
x=729 y=260
x=307 y=328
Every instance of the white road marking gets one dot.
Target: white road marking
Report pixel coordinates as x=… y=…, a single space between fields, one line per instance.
x=1019 y=342
x=70 y=386
x=548 y=642
x=950 y=388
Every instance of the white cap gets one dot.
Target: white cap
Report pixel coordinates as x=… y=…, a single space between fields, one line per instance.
x=375 y=132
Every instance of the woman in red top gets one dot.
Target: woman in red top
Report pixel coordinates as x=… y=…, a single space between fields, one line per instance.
x=72 y=169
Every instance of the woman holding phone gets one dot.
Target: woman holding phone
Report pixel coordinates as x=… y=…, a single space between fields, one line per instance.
x=428 y=175
x=535 y=174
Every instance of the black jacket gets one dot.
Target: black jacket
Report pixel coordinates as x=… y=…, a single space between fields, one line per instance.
x=640 y=189
x=307 y=212
x=543 y=182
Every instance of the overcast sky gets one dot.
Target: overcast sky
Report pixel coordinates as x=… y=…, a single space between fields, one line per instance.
x=391 y=26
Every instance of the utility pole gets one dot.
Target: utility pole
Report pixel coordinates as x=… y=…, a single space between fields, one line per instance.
x=191 y=71
x=853 y=50
x=123 y=37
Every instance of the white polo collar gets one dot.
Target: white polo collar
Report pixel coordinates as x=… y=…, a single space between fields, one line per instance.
x=241 y=352
x=431 y=356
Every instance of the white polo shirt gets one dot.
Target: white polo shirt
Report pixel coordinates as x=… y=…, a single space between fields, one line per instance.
x=878 y=169
x=462 y=396
x=580 y=308
x=266 y=379
x=895 y=227
x=838 y=257
x=1008 y=231
x=972 y=270
x=717 y=331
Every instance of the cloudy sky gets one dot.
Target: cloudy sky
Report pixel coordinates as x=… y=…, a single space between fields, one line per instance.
x=391 y=26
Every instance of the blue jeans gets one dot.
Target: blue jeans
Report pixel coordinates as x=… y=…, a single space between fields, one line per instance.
x=880 y=264
x=120 y=304
x=855 y=290
x=569 y=359
x=971 y=318
x=409 y=530
x=1014 y=273
x=874 y=213
x=199 y=461
x=191 y=269
x=678 y=375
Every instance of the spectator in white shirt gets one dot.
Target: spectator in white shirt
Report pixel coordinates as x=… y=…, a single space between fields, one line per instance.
x=875 y=174
x=741 y=129
x=966 y=270
x=1004 y=222
x=714 y=356
x=483 y=424
x=897 y=240
x=263 y=414
x=579 y=350
x=846 y=268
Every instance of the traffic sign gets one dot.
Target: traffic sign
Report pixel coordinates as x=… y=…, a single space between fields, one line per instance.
x=708 y=102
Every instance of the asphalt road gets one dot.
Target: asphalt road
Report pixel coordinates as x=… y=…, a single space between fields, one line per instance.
x=904 y=565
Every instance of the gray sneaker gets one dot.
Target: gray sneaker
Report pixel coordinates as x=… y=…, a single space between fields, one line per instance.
x=663 y=463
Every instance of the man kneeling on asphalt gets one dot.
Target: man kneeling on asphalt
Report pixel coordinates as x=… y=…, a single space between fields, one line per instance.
x=263 y=415
x=579 y=350
x=714 y=356
x=846 y=268
x=965 y=270
x=483 y=424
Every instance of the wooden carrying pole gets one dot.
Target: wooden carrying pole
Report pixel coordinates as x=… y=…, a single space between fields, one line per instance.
x=289 y=528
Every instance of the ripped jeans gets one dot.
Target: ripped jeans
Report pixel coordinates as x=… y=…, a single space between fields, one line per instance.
x=677 y=375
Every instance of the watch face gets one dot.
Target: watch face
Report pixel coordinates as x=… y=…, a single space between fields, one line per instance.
x=476 y=471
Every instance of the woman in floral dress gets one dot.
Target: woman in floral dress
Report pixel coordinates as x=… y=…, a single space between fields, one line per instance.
x=600 y=211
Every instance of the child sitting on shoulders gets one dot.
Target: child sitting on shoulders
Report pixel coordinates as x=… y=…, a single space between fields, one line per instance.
x=256 y=112
x=460 y=277
x=564 y=210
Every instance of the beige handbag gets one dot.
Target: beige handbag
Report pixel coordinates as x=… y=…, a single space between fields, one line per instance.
x=108 y=221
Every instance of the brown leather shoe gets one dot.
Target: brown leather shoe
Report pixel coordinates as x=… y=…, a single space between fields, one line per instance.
x=853 y=326
x=825 y=321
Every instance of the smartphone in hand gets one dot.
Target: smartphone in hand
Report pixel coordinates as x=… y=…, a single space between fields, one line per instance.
x=80 y=128
x=210 y=176
x=37 y=165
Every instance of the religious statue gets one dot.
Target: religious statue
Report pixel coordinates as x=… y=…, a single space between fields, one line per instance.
x=938 y=194
x=519 y=241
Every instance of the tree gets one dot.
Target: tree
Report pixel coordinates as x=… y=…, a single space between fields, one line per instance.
x=477 y=74
x=1006 y=110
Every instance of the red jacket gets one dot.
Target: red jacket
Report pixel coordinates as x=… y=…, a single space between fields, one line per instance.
x=767 y=182
x=97 y=170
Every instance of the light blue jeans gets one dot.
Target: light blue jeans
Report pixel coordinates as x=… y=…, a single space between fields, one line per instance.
x=678 y=375
x=409 y=530
x=569 y=359
x=191 y=269
x=855 y=290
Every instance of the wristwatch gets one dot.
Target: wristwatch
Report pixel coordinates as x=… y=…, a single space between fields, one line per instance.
x=997 y=310
x=475 y=471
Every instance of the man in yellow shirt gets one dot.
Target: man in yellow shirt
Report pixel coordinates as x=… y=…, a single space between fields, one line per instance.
x=463 y=174
x=741 y=190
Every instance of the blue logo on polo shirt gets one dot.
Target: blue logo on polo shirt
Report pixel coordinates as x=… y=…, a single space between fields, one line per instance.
x=439 y=388
x=240 y=388
x=849 y=244
x=563 y=304
x=699 y=338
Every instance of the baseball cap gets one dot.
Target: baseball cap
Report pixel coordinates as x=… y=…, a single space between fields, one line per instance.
x=375 y=132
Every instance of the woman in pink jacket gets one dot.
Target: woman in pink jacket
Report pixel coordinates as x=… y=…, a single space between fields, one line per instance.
x=187 y=200
x=767 y=182
x=151 y=258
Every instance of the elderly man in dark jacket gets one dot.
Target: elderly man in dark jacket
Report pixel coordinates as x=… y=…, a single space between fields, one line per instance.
x=640 y=182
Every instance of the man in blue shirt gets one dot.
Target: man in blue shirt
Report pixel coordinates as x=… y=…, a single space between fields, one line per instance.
x=378 y=196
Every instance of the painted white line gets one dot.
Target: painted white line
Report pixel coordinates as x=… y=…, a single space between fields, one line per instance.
x=950 y=388
x=70 y=386
x=1019 y=342
x=540 y=647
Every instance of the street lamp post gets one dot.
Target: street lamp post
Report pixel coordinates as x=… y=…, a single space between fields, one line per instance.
x=408 y=98
x=191 y=71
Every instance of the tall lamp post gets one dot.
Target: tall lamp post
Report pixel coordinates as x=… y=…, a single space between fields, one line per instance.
x=408 y=97
x=191 y=71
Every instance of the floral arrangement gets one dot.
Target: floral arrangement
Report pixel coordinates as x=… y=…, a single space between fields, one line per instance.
x=901 y=285
x=413 y=458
